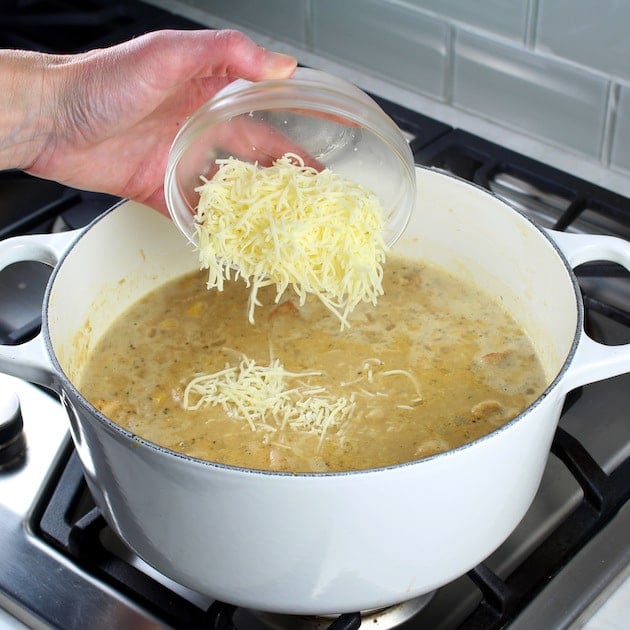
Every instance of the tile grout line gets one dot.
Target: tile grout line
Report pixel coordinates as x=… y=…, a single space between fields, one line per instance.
x=610 y=122
x=308 y=25
x=449 y=67
x=531 y=28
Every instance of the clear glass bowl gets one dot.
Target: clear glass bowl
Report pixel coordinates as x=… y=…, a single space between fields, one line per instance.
x=314 y=114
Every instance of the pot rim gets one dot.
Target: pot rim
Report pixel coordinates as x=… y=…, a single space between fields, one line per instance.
x=68 y=386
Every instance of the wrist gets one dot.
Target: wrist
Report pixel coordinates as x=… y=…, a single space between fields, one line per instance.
x=24 y=101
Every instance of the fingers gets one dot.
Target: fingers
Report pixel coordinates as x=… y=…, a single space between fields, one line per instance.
x=236 y=55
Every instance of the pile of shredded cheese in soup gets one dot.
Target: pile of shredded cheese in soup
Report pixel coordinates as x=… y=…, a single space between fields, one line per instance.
x=436 y=364
x=292 y=226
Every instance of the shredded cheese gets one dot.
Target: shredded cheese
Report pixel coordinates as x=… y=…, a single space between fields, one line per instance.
x=260 y=395
x=290 y=225
x=271 y=399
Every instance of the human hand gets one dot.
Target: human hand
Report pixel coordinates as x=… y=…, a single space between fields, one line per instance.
x=105 y=120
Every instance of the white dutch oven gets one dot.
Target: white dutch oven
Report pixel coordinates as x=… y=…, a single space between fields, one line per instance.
x=327 y=543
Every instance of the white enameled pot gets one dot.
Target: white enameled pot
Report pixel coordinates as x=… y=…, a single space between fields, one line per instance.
x=318 y=543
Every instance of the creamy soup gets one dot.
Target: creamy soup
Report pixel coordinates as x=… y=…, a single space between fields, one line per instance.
x=437 y=363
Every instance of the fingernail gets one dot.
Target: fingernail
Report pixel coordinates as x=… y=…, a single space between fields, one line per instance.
x=278 y=64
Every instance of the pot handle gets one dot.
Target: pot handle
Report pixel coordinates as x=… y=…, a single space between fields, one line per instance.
x=30 y=360
x=594 y=361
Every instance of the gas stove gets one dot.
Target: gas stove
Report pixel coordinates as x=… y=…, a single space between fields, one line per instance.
x=64 y=568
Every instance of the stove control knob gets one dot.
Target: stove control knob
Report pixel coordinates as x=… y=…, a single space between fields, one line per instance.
x=12 y=440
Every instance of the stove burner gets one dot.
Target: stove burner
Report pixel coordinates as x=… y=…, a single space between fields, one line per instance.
x=381 y=619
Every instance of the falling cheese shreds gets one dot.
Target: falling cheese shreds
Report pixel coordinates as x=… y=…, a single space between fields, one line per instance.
x=290 y=225
x=269 y=398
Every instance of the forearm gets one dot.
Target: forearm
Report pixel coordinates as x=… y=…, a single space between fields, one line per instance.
x=25 y=116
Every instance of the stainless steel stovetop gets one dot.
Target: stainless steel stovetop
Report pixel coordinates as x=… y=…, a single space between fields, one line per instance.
x=63 y=568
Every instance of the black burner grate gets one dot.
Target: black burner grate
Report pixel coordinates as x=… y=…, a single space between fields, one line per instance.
x=554 y=198
x=70 y=26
